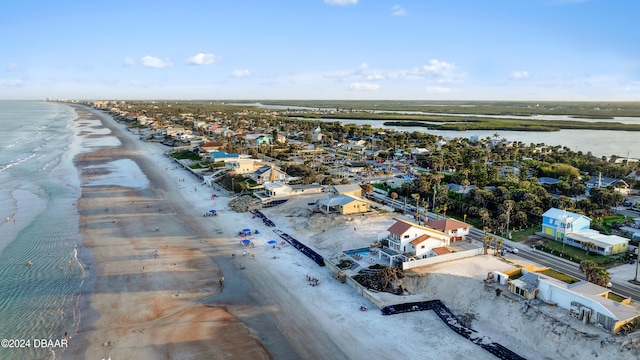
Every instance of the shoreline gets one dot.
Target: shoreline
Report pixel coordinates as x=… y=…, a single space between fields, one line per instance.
x=121 y=319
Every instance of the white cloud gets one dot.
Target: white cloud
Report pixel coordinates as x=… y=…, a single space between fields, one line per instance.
x=240 y=73
x=154 y=62
x=12 y=82
x=436 y=90
x=12 y=66
x=441 y=71
x=518 y=75
x=203 y=59
x=434 y=68
x=364 y=86
x=341 y=2
x=398 y=10
x=129 y=62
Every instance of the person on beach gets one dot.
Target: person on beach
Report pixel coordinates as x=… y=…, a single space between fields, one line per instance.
x=222 y=281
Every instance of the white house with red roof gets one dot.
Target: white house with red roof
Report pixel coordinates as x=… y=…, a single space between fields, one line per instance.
x=458 y=230
x=407 y=241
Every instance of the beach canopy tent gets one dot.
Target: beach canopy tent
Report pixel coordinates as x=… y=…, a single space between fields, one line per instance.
x=272 y=242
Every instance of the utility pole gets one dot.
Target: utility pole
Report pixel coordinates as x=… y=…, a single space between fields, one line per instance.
x=635 y=279
x=508 y=217
x=433 y=204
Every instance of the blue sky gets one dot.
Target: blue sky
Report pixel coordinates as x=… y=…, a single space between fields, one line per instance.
x=321 y=49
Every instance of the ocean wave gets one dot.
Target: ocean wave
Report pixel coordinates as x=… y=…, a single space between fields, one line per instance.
x=17 y=162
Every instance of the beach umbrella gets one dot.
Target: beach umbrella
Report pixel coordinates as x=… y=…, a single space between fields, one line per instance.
x=272 y=242
x=212 y=211
x=246 y=230
x=246 y=242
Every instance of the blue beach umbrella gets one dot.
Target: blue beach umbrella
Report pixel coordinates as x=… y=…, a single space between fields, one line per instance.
x=272 y=242
x=246 y=230
x=212 y=211
x=246 y=241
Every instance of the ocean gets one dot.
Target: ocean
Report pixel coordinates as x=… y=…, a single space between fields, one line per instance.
x=39 y=188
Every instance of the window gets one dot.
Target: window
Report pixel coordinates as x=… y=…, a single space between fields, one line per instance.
x=406 y=236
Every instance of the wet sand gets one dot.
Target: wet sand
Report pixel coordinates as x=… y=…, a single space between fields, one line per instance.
x=137 y=305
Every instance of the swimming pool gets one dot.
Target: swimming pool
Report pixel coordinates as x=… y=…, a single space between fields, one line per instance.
x=361 y=252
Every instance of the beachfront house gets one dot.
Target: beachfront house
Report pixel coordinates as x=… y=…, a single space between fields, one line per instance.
x=406 y=241
x=209 y=146
x=222 y=156
x=458 y=230
x=573 y=230
x=597 y=242
x=350 y=189
x=243 y=166
x=585 y=301
x=558 y=223
x=342 y=204
x=268 y=173
x=275 y=193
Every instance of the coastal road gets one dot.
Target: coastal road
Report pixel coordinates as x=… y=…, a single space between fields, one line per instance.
x=572 y=269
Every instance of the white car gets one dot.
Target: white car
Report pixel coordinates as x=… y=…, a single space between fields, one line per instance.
x=511 y=249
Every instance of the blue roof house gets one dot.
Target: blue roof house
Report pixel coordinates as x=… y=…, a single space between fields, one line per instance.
x=222 y=156
x=559 y=223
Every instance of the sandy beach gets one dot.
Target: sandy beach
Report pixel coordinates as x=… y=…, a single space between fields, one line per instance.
x=137 y=304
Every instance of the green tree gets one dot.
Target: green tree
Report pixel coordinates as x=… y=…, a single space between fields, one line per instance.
x=588 y=246
x=367 y=189
x=589 y=268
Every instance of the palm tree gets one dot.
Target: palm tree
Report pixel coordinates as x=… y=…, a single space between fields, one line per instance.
x=588 y=246
x=588 y=267
x=498 y=248
x=486 y=242
x=484 y=215
x=416 y=196
x=601 y=277
x=367 y=189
